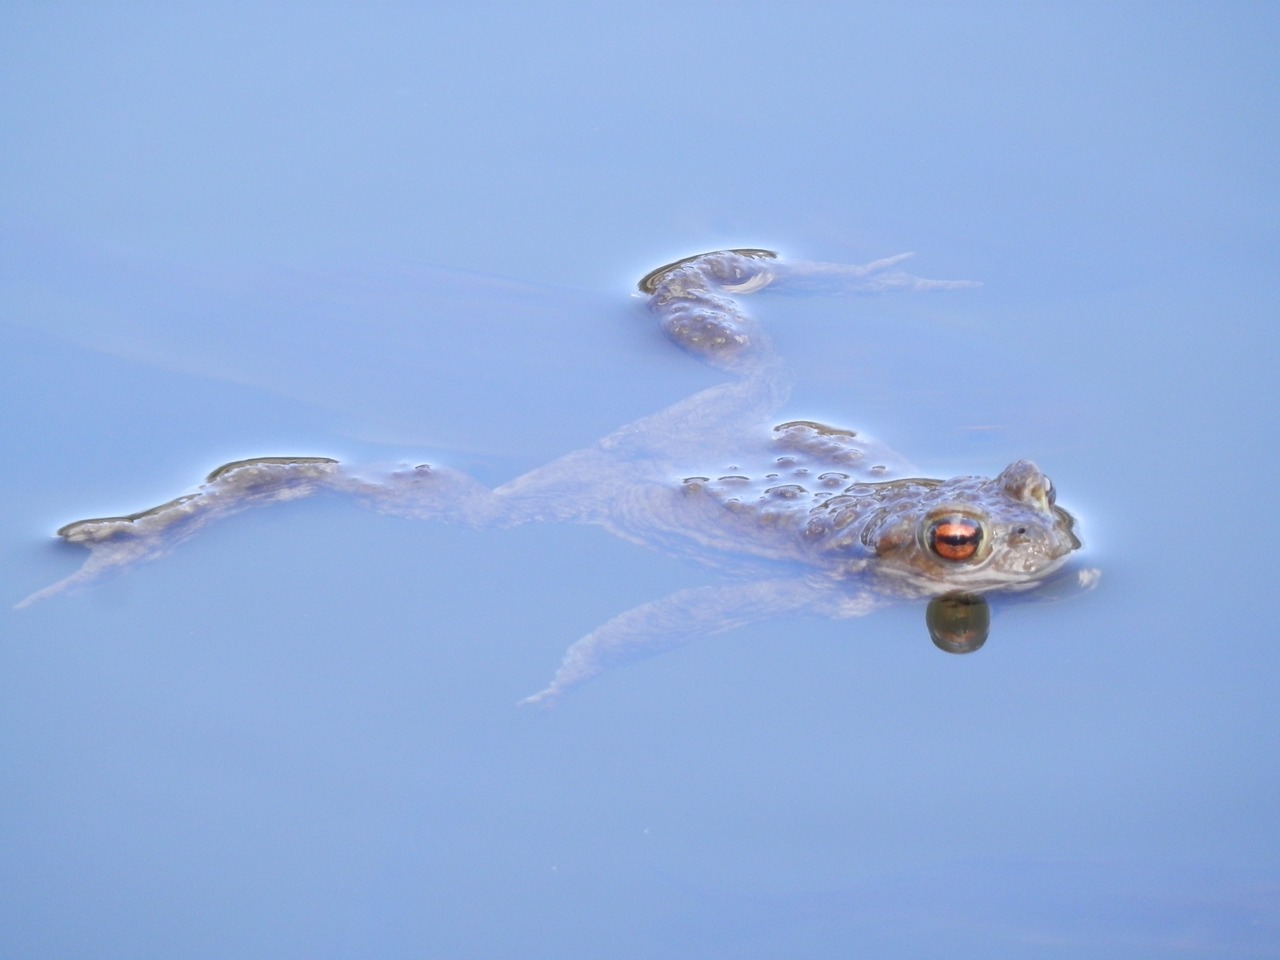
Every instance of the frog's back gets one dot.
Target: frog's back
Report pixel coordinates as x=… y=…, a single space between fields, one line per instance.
x=808 y=463
x=757 y=506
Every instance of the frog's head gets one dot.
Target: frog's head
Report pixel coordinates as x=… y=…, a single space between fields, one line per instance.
x=973 y=534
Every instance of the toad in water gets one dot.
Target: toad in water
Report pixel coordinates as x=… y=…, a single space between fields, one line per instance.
x=807 y=516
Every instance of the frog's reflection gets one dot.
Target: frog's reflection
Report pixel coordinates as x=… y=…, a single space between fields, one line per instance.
x=958 y=622
x=807 y=516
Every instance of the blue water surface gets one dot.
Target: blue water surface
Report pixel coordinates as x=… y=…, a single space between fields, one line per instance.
x=380 y=233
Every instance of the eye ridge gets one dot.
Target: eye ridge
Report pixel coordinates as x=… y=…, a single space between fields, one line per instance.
x=955 y=538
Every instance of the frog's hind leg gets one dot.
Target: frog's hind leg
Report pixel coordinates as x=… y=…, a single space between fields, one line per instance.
x=695 y=298
x=116 y=543
x=694 y=301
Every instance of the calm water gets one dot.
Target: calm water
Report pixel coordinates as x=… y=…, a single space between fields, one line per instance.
x=387 y=234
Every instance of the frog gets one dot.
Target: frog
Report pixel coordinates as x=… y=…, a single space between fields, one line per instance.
x=798 y=517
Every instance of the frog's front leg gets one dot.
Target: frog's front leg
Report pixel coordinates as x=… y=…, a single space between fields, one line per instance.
x=115 y=543
x=687 y=615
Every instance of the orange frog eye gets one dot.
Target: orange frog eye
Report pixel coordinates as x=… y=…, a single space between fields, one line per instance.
x=955 y=538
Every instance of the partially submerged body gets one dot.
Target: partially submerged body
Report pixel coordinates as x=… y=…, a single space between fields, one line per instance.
x=810 y=517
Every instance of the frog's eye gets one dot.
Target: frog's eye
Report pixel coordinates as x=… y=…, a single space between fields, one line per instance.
x=954 y=537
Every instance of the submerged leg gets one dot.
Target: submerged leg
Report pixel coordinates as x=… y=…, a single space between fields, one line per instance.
x=684 y=616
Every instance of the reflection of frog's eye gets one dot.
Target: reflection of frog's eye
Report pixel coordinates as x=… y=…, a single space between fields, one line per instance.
x=954 y=537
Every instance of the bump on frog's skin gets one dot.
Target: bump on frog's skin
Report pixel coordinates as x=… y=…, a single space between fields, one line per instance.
x=809 y=517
